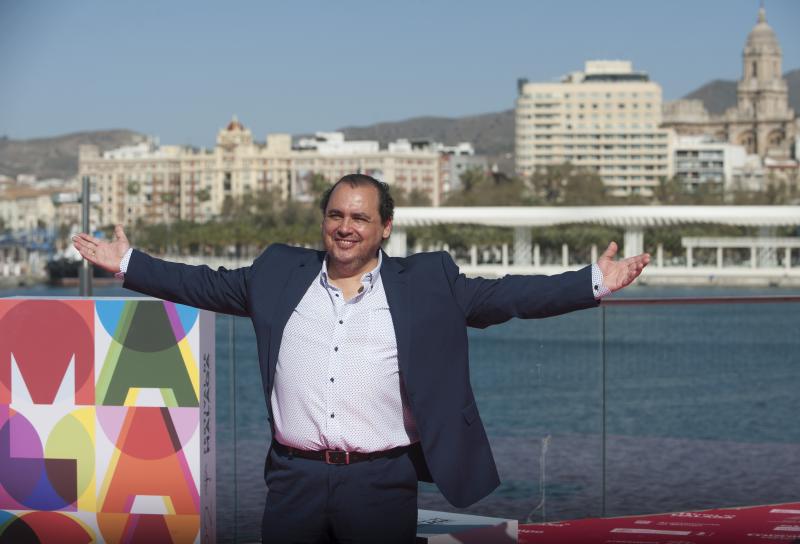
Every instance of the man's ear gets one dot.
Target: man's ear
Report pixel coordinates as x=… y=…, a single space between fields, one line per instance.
x=387 y=229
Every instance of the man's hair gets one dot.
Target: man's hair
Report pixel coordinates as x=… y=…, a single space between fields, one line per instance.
x=385 y=200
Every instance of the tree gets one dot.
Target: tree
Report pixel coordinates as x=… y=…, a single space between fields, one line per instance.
x=318 y=185
x=481 y=189
x=414 y=197
x=778 y=192
x=675 y=191
x=568 y=185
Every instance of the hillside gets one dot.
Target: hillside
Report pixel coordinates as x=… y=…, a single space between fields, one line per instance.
x=717 y=96
x=56 y=157
x=720 y=94
x=490 y=133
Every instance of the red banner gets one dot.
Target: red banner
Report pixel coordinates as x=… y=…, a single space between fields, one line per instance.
x=776 y=523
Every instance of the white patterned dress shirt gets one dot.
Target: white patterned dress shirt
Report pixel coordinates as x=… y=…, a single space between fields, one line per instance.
x=337 y=382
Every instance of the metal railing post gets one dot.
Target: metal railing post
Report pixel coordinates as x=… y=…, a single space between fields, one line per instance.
x=86 y=269
x=232 y=351
x=604 y=414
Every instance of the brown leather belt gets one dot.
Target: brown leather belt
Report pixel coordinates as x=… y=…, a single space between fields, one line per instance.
x=338 y=457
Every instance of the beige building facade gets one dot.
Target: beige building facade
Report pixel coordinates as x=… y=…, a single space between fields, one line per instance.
x=605 y=118
x=26 y=208
x=160 y=184
x=39 y=204
x=762 y=121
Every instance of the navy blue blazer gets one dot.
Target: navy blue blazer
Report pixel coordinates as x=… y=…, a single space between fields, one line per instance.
x=431 y=304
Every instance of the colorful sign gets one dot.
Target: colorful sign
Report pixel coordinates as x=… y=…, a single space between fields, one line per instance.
x=106 y=421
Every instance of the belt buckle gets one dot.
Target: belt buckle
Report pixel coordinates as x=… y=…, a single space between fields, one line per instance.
x=337 y=457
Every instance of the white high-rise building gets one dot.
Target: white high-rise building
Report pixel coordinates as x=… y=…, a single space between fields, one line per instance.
x=605 y=118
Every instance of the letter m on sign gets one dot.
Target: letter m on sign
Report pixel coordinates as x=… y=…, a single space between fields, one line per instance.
x=45 y=339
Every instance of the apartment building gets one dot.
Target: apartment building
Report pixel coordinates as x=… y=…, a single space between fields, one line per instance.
x=605 y=118
x=28 y=204
x=161 y=183
x=405 y=165
x=722 y=166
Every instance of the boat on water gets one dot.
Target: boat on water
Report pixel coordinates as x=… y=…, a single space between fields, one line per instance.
x=64 y=271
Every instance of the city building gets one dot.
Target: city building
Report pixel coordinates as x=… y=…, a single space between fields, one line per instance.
x=28 y=204
x=605 y=118
x=454 y=165
x=454 y=160
x=751 y=176
x=762 y=121
x=719 y=166
x=161 y=183
x=406 y=166
x=157 y=184
x=24 y=208
x=333 y=143
x=5 y=182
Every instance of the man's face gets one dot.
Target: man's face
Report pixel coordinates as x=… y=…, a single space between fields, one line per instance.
x=352 y=230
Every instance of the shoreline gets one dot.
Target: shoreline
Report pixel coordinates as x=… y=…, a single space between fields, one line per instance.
x=15 y=282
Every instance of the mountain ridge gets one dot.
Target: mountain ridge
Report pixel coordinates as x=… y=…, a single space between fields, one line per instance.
x=57 y=156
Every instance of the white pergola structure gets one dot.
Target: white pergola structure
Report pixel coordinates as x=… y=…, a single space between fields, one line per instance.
x=633 y=219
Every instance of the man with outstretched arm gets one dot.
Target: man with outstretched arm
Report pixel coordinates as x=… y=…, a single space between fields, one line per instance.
x=364 y=362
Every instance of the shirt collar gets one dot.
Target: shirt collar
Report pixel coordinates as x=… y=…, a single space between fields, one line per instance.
x=368 y=280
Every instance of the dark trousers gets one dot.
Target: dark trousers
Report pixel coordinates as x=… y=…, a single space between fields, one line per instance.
x=309 y=501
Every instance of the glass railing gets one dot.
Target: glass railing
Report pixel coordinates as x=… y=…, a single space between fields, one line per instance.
x=701 y=403
x=639 y=406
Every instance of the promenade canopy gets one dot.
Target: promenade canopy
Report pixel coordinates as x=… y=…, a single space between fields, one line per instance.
x=619 y=216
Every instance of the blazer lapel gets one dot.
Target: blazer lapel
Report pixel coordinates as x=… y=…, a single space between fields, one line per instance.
x=300 y=278
x=395 y=284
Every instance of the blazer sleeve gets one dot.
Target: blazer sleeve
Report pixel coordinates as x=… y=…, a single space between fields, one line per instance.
x=487 y=302
x=223 y=291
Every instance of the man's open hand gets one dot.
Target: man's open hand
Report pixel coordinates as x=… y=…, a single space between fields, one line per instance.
x=106 y=255
x=618 y=274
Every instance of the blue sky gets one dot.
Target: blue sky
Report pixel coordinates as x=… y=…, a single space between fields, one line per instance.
x=180 y=69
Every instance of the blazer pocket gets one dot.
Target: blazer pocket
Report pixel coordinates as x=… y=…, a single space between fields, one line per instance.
x=470 y=413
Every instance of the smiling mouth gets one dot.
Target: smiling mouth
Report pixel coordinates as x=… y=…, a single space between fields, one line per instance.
x=345 y=244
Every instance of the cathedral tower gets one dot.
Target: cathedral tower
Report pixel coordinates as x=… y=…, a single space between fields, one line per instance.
x=762 y=95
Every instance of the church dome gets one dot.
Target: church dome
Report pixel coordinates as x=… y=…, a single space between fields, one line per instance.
x=762 y=38
x=234 y=125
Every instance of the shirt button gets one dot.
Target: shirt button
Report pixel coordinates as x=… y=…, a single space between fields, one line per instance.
x=361 y=289
x=337 y=294
x=331 y=415
x=336 y=348
x=596 y=287
x=331 y=380
x=341 y=322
